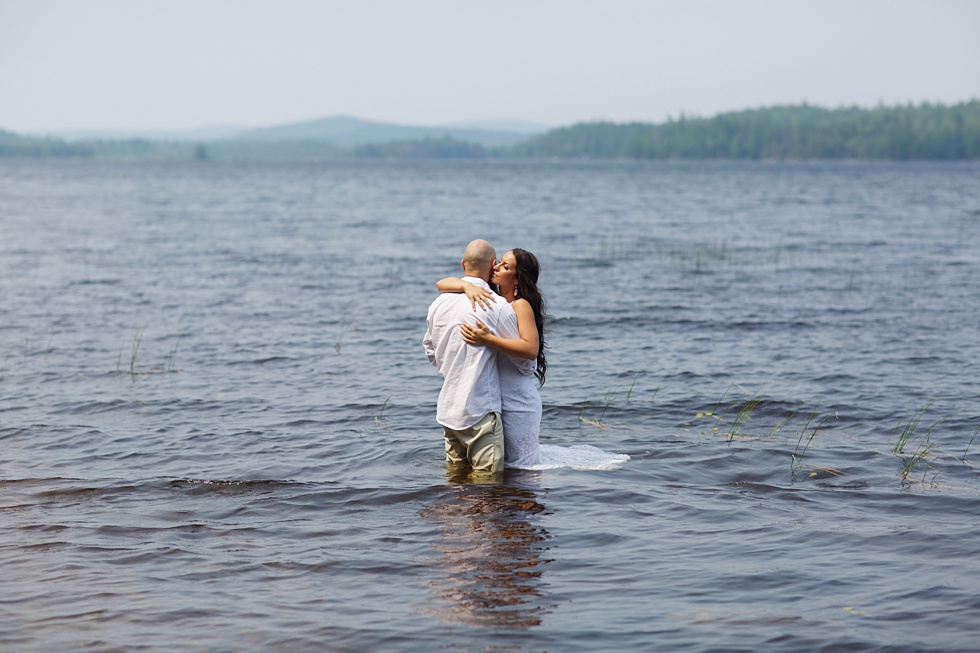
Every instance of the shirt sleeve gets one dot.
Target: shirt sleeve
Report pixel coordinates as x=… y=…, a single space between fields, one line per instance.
x=430 y=350
x=428 y=342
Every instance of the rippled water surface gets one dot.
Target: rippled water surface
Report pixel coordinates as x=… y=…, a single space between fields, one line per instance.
x=217 y=421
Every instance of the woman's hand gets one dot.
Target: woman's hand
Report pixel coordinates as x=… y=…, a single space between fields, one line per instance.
x=478 y=295
x=476 y=335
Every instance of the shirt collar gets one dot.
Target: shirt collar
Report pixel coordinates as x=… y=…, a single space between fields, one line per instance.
x=476 y=281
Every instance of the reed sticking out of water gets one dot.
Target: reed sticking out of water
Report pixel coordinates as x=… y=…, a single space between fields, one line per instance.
x=343 y=331
x=597 y=422
x=632 y=385
x=778 y=426
x=172 y=358
x=133 y=353
x=911 y=425
x=797 y=458
x=745 y=410
x=27 y=350
x=806 y=424
x=594 y=422
x=721 y=404
x=913 y=461
x=914 y=442
x=608 y=401
x=970 y=443
x=743 y=415
x=380 y=418
x=910 y=435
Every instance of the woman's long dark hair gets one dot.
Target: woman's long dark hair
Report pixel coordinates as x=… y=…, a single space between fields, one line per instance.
x=527 y=287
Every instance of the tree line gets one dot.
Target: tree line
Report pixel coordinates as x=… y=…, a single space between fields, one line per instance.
x=902 y=133
x=14 y=145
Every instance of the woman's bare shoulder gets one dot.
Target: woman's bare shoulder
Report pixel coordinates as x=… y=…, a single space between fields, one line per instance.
x=521 y=304
x=522 y=307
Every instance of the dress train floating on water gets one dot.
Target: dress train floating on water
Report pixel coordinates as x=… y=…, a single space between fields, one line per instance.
x=580 y=456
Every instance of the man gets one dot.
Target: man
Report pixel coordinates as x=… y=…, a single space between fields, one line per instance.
x=469 y=402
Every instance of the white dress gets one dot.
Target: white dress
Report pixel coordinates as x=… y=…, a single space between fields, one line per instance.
x=521 y=414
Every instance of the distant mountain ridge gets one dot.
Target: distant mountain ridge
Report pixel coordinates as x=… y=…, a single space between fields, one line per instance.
x=925 y=132
x=200 y=134
x=346 y=131
x=342 y=131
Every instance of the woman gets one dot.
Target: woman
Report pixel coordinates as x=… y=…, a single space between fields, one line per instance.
x=516 y=277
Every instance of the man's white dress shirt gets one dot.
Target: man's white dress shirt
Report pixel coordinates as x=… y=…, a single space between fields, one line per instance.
x=471 y=387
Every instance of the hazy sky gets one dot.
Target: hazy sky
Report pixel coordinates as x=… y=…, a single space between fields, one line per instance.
x=178 y=64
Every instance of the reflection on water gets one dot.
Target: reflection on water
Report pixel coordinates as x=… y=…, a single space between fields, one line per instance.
x=491 y=556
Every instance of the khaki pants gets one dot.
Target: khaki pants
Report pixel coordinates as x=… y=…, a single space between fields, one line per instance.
x=481 y=445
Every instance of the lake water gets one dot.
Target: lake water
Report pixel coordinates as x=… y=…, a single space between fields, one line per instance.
x=217 y=422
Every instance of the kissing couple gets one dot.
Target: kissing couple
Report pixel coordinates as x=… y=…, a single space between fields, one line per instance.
x=489 y=348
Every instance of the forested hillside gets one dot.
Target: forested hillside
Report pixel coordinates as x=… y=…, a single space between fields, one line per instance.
x=923 y=132
x=14 y=145
x=899 y=133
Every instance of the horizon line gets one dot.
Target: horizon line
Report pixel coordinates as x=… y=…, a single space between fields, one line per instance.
x=682 y=114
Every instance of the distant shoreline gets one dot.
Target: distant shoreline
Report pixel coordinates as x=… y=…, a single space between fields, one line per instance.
x=926 y=132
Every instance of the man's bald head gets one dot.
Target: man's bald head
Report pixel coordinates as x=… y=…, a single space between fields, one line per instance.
x=479 y=258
